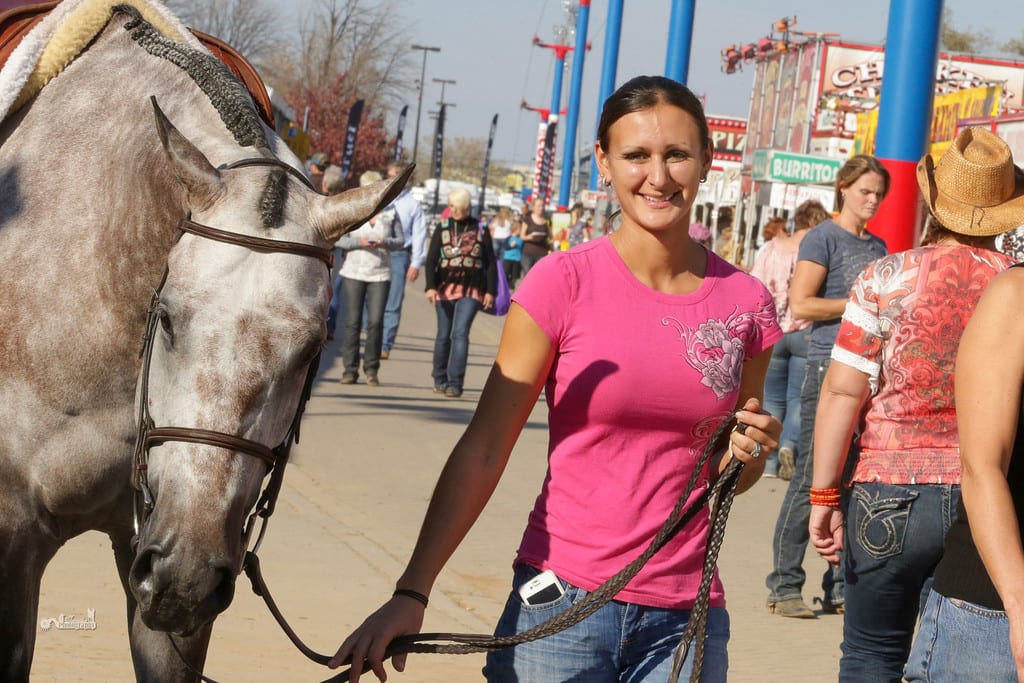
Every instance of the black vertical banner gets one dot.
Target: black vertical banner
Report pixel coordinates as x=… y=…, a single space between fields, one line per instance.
x=355 y=114
x=401 y=129
x=487 y=165
x=547 y=162
x=435 y=168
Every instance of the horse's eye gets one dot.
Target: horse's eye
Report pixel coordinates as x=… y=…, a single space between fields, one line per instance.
x=165 y=321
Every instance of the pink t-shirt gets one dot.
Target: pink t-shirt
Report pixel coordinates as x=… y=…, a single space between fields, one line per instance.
x=639 y=382
x=775 y=267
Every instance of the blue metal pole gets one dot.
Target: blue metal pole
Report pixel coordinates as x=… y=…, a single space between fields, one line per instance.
x=904 y=114
x=575 y=85
x=609 y=65
x=556 y=91
x=680 y=36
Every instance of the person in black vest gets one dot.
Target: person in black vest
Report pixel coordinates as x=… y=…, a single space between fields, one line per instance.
x=462 y=278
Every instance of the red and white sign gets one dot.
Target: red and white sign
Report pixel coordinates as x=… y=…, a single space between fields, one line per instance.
x=728 y=136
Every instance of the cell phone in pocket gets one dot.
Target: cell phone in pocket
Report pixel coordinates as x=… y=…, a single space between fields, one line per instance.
x=541 y=589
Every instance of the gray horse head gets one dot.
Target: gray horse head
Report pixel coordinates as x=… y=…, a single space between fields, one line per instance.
x=238 y=328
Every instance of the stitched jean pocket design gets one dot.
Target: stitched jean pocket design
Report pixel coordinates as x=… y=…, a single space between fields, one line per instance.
x=881 y=522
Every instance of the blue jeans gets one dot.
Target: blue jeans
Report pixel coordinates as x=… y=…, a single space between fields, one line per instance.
x=791 y=534
x=528 y=259
x=783 y=382
x=894 y=537
x=451 y=346
x=356 y=293
x=499 y=247
x=960 y=641
x=396 y=295
x=619 y=642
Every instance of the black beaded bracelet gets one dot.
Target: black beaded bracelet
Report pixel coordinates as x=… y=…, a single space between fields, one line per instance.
x=409 y=593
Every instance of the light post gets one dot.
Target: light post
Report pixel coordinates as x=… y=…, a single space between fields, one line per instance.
x=419 y=104
x=443 y=82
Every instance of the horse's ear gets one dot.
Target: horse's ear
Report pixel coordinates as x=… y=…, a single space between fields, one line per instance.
x=342 y=213
x=200 y=179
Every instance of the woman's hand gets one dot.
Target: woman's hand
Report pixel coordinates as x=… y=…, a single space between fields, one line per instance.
x=826 y=529
x=397 y=617
x=755 y=435
x=431 y=296
x=488 y=301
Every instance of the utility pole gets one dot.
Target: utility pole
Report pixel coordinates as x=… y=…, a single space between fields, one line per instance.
x=419 y=105
x=443 y=82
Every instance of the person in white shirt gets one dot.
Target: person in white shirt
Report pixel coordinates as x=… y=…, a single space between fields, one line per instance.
x=366 y=279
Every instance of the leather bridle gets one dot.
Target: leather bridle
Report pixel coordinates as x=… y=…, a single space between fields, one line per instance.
x=150 y=435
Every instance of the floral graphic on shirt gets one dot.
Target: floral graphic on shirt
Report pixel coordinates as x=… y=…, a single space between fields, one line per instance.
x=717 y=348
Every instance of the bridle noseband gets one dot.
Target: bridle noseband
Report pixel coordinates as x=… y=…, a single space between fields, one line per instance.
x=150 y=435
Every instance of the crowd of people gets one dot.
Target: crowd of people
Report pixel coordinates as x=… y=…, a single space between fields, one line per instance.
x=863 y=378
x=460 y=256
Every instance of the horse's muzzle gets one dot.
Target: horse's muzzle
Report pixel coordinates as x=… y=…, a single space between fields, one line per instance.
x=179 y=596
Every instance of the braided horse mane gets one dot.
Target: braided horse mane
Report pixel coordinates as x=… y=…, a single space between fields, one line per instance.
x=227 y=95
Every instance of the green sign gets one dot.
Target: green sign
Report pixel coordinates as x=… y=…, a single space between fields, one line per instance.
x=771 y=165
x=759 y=166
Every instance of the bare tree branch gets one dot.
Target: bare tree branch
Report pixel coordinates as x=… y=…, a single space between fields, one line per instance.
x=243 y=24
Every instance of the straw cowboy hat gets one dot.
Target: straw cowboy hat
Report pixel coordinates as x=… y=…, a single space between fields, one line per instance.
x=974 y=189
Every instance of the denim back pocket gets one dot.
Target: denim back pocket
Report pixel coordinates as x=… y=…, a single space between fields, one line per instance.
x=879 y=519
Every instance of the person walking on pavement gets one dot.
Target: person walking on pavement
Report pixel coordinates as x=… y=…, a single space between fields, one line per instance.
x=462 y=278
x=774 y=266
x=501 y=227
x=892 y=373
x=366 y=277
x=535 y=229
x=629 y=416
x=406 y=262
x=830 y=258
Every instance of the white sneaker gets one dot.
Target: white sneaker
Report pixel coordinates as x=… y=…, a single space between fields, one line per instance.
x=787 y=463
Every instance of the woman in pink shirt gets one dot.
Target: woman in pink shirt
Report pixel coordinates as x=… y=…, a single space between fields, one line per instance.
x=643 y=342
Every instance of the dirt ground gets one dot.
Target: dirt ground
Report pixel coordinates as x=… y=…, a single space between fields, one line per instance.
x=349 y=512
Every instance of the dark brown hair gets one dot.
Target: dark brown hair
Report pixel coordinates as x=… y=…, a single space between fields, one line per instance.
x=644 y=92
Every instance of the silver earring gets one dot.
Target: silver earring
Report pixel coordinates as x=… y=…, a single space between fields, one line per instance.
x=703 y=179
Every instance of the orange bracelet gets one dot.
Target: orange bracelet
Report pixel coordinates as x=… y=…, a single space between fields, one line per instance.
x=825 y=497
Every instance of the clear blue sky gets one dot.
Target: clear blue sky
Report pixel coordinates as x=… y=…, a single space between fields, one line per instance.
x=487 y=49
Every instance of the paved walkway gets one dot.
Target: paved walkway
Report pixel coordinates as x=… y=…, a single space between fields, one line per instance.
x=350 y=509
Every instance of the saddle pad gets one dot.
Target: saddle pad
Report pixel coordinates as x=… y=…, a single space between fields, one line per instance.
x=17 y=22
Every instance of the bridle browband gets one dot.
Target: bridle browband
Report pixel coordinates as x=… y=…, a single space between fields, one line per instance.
x=149 y=435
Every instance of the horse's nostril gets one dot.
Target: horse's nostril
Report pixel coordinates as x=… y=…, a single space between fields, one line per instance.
x=145 y=575
x=224 y=592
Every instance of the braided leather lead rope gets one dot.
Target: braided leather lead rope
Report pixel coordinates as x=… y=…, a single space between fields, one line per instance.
x=724 y=490
x=696 y=627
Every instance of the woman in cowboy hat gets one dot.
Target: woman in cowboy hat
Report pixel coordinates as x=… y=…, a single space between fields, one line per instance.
x=972 y=627
x=892 y=376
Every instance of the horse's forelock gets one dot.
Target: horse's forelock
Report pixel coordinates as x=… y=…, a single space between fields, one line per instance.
x=275 y=194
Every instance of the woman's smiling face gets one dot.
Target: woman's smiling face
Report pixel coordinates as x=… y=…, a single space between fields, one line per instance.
x=655 y=160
